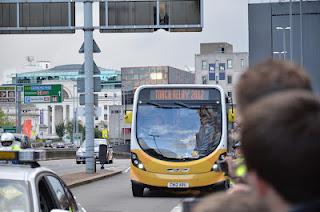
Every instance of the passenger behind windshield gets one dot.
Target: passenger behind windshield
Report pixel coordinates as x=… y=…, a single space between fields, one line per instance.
x=179 y=133
x=206 y=138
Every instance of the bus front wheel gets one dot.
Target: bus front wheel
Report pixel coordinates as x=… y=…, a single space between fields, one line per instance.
x=137 y=189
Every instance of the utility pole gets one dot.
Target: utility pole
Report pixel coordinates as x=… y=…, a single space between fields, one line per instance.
x=18 y=106
x=301 y=34
x=89 y=95
x=291 y=36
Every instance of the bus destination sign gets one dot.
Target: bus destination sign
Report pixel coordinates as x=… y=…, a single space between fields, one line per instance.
x=179 y=94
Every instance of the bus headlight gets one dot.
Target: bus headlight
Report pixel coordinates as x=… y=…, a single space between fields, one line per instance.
x=136 y=162
x=215 y=167
x=140 y=166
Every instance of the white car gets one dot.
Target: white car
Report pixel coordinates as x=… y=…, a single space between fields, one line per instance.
x=27 y=187
x=81 y=152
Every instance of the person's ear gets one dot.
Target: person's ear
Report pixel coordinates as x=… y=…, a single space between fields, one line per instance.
x=259 y=185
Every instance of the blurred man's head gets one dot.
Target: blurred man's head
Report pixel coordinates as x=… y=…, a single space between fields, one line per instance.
x=280 y=142
x=235 y=202
x=267 y=78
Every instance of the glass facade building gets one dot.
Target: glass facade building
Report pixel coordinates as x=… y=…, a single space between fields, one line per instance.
x=110 y=79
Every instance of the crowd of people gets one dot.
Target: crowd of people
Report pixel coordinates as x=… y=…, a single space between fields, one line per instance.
x=279 y=122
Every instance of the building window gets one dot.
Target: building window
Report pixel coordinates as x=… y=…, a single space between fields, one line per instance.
x=229 y=79
x=106 y=95
x=242 y=63
x=229 y=93
x=204 y=64
x=229 y=64
x=156 y=76
x=222 y=49
x=222 y=76
x=105 y=117
x=105 y=107
x=222 y=66
x=204 y=80
x=96 y=118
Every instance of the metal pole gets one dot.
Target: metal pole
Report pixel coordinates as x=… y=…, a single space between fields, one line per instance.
x=77 y=103
x=301 y=34
x=18 y=106
x=158 y=13
x=89 y=95
x=74 y=116
x=291 y=37
x=284 y=44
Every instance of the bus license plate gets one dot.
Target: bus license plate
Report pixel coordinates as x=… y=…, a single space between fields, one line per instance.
x=178 y=185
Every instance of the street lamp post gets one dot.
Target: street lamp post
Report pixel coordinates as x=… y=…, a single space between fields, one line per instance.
x=284 y=39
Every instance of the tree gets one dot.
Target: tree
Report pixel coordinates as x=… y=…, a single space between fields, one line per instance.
x=69 y=128
x=97 y=133
x=4 y=120
x=60 y=130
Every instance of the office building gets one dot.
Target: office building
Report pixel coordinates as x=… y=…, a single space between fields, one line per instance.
x=218 y=64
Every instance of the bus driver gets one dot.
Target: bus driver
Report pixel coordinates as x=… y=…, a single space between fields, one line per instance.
x=207 y=133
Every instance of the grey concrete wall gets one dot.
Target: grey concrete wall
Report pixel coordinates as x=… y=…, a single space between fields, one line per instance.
x=264 y=39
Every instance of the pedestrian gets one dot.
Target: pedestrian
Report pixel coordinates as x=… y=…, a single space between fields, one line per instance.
x=264 y=79
x=8 y=142
x=280 y=142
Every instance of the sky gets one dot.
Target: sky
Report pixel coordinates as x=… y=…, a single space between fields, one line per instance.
x=224 y=21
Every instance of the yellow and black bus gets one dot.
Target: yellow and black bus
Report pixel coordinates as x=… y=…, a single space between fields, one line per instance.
x=178 y=134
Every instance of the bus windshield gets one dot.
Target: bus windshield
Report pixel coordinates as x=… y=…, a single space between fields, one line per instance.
x=179 y=130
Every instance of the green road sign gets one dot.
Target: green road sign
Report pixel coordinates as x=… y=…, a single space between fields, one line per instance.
x=8 y=129
x=7 y=94
x=43 y=94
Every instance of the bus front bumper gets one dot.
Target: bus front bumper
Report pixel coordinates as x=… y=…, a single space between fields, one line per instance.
x=150 y=179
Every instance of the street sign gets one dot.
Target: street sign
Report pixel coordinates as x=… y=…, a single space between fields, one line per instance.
x=96 y=48
x=43 y=94
x=96 y=86
x=82 y=99
x=151 y=15
x=8 y=129
x=232 y=115
x=96 y=70
x=7 y=94
x=18 y=17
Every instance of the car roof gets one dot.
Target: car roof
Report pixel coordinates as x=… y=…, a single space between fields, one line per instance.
x=20 y=172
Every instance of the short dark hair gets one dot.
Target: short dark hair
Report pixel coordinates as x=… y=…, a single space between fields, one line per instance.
x=269 y=77
x=281 y=141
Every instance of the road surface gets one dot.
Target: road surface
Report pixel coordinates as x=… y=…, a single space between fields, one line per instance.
x=68 y=166
x=114 y=195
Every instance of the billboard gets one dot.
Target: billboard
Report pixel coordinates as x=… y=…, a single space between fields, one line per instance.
x=36 y=17
x=148 y=15
x=7 y=94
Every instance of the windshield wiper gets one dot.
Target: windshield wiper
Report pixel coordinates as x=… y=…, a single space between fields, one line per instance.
x=160 y=105
x=154 y=140
x=182 y=104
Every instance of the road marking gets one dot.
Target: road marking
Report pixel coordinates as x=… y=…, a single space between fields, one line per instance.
x=126 y=171
x=178 y=208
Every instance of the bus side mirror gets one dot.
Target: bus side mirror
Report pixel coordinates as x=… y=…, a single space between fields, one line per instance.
x=128 y=117
x=232 y=115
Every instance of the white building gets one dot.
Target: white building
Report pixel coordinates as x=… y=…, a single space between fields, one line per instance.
x=47 y=116
x=217 y=63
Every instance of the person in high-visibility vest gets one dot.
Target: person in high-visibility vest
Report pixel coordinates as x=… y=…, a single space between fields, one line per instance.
x=240 y=168
x=8 y=142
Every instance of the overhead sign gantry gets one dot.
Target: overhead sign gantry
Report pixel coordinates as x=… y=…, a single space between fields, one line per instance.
x=58 y=16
